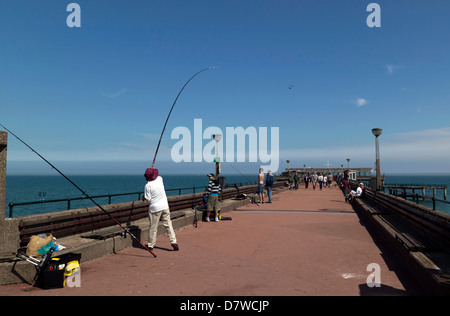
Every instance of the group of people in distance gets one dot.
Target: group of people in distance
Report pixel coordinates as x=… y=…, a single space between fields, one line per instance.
x=324 y=180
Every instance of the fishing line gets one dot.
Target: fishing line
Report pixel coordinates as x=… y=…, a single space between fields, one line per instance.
x=82 y=192
x=167 y=119
x=249 y=181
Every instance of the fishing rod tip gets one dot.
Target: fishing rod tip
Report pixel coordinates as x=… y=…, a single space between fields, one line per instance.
x=213 y=67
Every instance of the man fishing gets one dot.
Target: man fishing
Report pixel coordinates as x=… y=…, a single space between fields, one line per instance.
x=156 y=189
x=212 y=204
x=158 y=208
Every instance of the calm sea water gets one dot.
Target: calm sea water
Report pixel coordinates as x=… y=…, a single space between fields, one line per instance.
x=20 y=189
x=40 y=188
x=431 y=180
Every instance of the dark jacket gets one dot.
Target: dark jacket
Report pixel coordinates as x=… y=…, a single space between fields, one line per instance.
x=269 y=181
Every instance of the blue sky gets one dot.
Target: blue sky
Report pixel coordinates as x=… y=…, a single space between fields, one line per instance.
x=94 y=99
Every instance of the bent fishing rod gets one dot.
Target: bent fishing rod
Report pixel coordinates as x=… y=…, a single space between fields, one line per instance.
x=167 y=119
x=82 y=192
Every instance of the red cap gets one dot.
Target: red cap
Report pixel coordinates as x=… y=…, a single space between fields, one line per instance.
x=151 y=174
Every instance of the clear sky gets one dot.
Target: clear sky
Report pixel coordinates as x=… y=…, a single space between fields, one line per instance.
x=94 y=99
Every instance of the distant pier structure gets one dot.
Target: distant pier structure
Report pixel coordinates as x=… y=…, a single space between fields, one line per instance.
x=357 y=174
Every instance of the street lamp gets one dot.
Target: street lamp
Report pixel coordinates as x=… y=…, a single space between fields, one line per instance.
x=288 y=161
x=217 y=138
x=377 y=132
x=348 y=163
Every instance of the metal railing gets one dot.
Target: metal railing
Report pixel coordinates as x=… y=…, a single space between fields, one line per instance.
x=109 y=196
x=416 y=197
x=416 y=185
x=68 y=223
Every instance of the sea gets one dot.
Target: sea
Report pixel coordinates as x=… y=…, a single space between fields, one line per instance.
x=44 y=188
x=424 y=179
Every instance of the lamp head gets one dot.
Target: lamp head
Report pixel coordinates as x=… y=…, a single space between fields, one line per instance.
x=217 y=137
x=377 y=131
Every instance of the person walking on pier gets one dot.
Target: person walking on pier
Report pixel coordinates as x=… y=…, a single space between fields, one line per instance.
x=314 y=180
x=320 y=179
x=212 y=202
x=296 y=179
x=306 y=179
x=269 y=185
x=330 y=180
x=158 y=208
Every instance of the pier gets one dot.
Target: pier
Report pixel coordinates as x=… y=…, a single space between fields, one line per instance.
x=305 y=243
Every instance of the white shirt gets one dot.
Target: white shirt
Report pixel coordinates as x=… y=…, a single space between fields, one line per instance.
x=155 y=193
x=358 y=191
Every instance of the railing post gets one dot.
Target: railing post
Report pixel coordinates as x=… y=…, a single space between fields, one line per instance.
x=3 y=150
x=10 y=210
x=9 y=227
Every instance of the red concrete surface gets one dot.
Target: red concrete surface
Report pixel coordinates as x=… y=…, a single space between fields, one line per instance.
x=305 y=243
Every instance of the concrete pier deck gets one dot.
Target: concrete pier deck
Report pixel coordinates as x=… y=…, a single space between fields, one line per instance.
x=305 y=243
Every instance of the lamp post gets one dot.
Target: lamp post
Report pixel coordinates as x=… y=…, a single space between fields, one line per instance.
x=377 y=132
x=348 y=163
x=288 y=172
x=3 y=145
x=217 y=138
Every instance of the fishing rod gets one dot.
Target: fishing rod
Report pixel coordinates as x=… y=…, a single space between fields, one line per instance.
x=165 y=124
x=250 y=181
x=167 y=119
x=82 y=192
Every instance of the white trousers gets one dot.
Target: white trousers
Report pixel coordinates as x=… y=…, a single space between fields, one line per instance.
x=164 y=216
